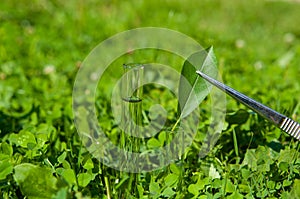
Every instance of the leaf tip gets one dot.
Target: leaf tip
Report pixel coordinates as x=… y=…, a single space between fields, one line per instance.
x=210 y=49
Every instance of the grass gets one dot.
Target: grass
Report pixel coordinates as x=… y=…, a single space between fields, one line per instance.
x=43 y=43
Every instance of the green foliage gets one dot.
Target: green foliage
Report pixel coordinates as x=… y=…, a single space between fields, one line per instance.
x=5 y=168
x=43 y=43
x=32 y=179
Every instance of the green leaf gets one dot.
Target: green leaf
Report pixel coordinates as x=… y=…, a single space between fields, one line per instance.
x=42 y=134
x=262 y=193
x=140 y=190
x=284 y=166
x=24 y=138
x=244 y=188
x=153 y=143
x=192 y=88
x=287 y=155
x=61 y=194
x=6 y=148
x=264 y=159
x=88 y=164
x=203 y=197
x=201 y=183
x=229 y=187
x=175 y=169
x=69 y=175
x=66 y=164
x=239 y=117
x=84 y=179
x=278 y=185
x=171 y=180
x=250 y=159
x=193 y=189
x=217 y=183
x=5 y=169
x=168 y=192
x=235 y=195
x=162 y=137
x=295 y=192
x=245 y=173
x=271 y=184
x=154 y=188
x=34 y=181
x=62 y=157
x=287 y=183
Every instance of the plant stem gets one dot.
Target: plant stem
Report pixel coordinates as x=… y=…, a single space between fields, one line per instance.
x=107 y=187
x=236 y=148
x=175 y=125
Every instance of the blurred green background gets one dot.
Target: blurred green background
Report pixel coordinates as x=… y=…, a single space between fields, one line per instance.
x=257 y=43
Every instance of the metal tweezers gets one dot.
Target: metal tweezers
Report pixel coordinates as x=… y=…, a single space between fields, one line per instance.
x=284 y=123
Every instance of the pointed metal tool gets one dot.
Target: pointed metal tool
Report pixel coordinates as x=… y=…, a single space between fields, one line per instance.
x=284 y=123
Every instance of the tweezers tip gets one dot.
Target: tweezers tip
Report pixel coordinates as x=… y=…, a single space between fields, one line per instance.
x=199 y=73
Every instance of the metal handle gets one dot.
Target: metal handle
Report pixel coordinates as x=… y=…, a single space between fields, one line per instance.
x=291 y=127
x=284 y=123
